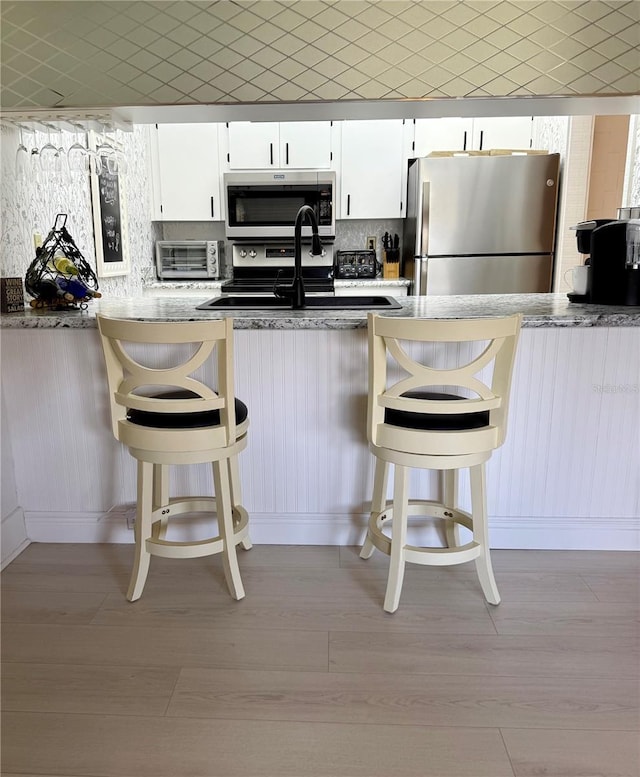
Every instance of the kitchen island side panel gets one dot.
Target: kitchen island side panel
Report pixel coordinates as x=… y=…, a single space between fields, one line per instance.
x=567 y=475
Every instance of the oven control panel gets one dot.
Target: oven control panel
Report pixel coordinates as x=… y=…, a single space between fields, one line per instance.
x=259 y=255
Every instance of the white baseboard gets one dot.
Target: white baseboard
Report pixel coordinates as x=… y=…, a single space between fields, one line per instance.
x=14 y=536
x=319 y=529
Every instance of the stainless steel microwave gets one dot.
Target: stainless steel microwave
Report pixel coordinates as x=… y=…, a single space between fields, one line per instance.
x=185 y=259
x=263 y=204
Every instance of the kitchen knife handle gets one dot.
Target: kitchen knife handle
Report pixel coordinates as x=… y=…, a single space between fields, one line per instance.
x=348 y=204
x=270 y=153
x=212 y=212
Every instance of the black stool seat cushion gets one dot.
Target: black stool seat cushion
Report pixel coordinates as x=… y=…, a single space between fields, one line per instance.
x=436 y=422
x=183 y=420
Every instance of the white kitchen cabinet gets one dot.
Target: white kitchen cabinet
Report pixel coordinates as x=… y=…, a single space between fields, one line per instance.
x=479 y=134
x=266 y=145
x=502 y=132
x=450 y=134
x=189 y=172
x=372 y=169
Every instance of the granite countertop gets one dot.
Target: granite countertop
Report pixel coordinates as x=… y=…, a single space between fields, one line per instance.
x=539 y=310
x=340 y=283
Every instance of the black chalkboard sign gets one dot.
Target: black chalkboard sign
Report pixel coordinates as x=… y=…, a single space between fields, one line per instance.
x=109 y=221
x=110 y=217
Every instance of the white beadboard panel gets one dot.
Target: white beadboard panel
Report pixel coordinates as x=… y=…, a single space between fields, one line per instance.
x=571 y=455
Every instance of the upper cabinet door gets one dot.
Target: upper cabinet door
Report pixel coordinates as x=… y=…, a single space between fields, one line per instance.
x=253 y=145
x=502 y=132
x=460 y=134
x=372 y=170
x=266 y=145
x=448 y=134
x=305 y=144
x=189 y=172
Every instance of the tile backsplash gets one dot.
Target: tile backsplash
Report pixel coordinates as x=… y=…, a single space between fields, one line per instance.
x=30 y=207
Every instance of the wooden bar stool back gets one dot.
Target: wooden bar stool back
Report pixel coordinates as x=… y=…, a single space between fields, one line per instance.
x=168 y=416
x=443 y=419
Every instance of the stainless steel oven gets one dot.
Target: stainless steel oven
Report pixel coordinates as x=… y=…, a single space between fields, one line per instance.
x=257 y=266
x=263 y=205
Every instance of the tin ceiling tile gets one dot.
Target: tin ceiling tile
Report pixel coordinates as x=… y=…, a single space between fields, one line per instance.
x=411 y=43
x=268 y=57
x=459 y=64
x=609 y=72
x=482 y=75
x=165 y=49
x=613 y=48
x=269 y=81
x=289 y=92
x=289 y=69
x=248 y=93
x=586 y=84
x=205 y=94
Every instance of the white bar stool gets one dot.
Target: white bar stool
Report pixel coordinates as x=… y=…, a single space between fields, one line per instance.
x=415 y=423
x=165 y=416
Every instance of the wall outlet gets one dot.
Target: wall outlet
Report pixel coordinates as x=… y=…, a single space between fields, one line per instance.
x=125 y=512
x=372 y=242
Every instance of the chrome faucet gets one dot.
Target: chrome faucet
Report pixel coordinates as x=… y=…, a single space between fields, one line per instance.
x=296 y=290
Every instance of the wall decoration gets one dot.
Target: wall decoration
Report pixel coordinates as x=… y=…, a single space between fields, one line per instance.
x=108 y=200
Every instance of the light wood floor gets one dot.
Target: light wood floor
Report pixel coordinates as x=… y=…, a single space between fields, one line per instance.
x=308 y=677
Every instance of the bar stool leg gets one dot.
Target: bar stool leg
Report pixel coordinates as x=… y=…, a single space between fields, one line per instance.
x=481 y=533
x=225 y=526
x=160 y=499
x=398 y=537
x=142 y=530
x=449 y=485
x=236 y=494
x=378 y=501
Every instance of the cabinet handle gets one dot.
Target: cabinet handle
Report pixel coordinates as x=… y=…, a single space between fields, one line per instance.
x=464 y=145
x=212 y=212
x=348 y=204
x=270 y=153
x=481 y=138
x=287 y=154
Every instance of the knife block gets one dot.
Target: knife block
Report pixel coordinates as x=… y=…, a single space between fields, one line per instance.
x=391 y=263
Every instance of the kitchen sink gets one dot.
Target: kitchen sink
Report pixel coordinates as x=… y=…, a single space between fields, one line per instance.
x=312 y=303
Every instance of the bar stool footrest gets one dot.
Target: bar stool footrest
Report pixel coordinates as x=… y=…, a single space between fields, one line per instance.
x=425 y=555
x=195 y=548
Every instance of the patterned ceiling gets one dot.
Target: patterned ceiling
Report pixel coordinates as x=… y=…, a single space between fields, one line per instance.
x=74 y=54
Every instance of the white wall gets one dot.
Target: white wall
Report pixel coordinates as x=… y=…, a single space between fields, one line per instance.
x=14 y=533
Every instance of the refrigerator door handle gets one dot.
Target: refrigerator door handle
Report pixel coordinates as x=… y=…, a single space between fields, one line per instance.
x=424 y=227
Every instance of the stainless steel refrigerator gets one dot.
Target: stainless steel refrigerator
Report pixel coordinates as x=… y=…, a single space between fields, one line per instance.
x=481 y=224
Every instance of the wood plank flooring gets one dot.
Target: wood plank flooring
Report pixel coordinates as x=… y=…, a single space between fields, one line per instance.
x=308 y=677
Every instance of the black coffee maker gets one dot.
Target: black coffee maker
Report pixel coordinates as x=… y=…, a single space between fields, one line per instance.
x=614 y=259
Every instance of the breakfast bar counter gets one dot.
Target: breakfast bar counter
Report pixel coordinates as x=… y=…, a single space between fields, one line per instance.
x=567 y=476
x=539 y=310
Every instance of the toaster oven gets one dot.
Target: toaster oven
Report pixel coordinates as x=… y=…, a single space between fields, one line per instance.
x=185 y=259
